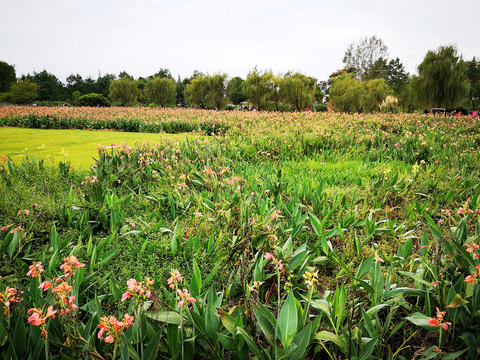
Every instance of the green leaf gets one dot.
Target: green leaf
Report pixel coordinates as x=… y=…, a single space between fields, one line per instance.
x=227 y=320
x=288 y=321
x=302 y=339
x=227 y=342
x=196 y=282
x=316 y=225
x=150 y=352
x=421 y=320
x=248 y=339
x=13 y=244
x=19 y=337
x=264 y=319
x=168 y=317
x=174 y=242
x=337 y=340
x=457 y=302
x=6 y=240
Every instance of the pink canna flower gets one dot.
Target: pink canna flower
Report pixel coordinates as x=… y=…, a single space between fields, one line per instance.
x=109 y=339
x=470 y=279
x=45 y=285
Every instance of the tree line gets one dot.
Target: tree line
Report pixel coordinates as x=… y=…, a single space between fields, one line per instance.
x=369 y=81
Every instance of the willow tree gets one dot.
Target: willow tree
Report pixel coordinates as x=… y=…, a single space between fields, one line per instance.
x=346 y=93
x=258 y=89
x=215 y=97
x=195 y=91
x=161 y=91
x=443 y=78
x=376 y=91
x=299 y=90
x=124 y=91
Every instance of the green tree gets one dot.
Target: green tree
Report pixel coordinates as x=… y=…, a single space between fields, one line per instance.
x=236 y=90
x=275 y=86
x=161 y=91
x=24 y=91
x=195 y=92
x=215 y=95
x=363 y=54
x=103 y=84
x=7 y=76
x=473 y=74
x=162 y=73
x=346 y=93
x=124 y=91
x=206 y=91
x=258 y=88
x=299 y=91
x=396 y=76
x=376 y=91
x=408 y=98
x=443 y=78
x=49 y=87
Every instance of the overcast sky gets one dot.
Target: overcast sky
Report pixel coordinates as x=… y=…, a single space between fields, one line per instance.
x=89 y=37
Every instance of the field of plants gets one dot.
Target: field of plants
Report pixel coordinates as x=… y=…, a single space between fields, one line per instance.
x=267 y=236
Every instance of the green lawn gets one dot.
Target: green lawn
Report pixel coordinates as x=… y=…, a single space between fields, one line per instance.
x=77 y=146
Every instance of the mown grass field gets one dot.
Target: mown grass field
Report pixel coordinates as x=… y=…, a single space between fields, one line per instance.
x=294 y=236
x=79 y=147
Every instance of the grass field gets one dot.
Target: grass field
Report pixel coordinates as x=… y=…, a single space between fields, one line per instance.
x=282 y=236
x=77 y=146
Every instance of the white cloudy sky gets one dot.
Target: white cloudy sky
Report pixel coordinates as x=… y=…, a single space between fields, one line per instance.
x=141 y=36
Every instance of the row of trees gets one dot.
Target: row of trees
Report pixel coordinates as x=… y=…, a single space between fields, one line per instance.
x=444 y=79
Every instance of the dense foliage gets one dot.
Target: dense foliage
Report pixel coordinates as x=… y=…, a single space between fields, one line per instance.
x=307 y=235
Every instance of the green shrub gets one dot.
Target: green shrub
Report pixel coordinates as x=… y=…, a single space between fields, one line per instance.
x=6 y=97
x=93 y=99
x=320 y=108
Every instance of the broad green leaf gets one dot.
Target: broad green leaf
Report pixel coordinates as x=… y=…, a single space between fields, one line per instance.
x=420 y=319
x=196 y=282
x=457 y=302
x=302 y=339
x=265 y=322
x=287 y=321
x=337 y=340
x=251 y=344
x=169 y=317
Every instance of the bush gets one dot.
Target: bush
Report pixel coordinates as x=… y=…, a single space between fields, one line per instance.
x=6 y=98
x=320 y=108
x=230 y=107
x=93 y=99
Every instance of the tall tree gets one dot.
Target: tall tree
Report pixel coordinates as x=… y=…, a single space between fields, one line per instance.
x=299 y=90
x=24 y=91
x=346 y=93
x=215 y=96
x=258 y=89
x=161 y=91
x=195 y=91
x=473 y=74
x=362 y=55
x=103 y=84
x=124 y=91
x=163 y=73
x=236 y=90
x=396 y=76
x=443 y=78
x=376 y=90
x=49 y=87
x=7 y=76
